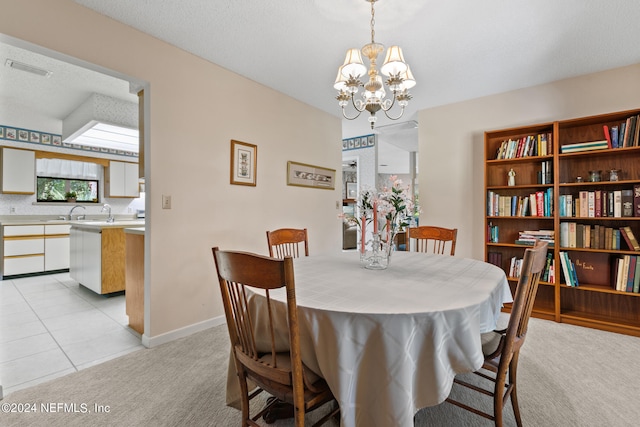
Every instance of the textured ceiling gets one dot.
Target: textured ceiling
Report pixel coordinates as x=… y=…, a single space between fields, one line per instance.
x=457 y=49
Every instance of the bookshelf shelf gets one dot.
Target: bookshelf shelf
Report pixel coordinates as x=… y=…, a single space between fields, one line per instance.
x=600 y=300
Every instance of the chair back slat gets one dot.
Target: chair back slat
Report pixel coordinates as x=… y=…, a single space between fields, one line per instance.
x=533 y=264
x=287 y=242
x=432 y=239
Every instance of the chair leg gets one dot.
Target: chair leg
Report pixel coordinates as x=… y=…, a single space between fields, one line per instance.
x=244 y=390
x=513 y=370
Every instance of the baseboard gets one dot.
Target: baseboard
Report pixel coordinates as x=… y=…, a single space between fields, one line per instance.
x=150 y=342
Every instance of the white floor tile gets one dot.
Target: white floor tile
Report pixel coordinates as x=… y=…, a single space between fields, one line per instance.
x=15 y=332
x=26 y=346
x=106 y=345
x=51 y=326
x=34 y=366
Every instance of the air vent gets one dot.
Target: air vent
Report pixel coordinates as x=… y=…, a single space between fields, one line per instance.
x=28 y=68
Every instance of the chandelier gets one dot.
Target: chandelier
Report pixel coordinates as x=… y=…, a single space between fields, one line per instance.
x=399 y=81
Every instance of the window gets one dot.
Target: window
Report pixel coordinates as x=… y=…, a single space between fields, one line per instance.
x=50 y=189
x=57 y=177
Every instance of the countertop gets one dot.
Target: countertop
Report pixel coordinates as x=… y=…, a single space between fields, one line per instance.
x=135 y=230
x=86 y=223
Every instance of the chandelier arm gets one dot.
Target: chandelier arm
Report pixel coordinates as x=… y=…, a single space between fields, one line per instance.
x=353 y=102
x=393 y=102
x=344 y=114
x=394 y=118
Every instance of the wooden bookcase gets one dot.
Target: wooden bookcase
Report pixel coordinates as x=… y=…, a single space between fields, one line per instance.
x=597 y=305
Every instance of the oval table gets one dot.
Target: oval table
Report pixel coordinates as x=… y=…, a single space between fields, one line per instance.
x=389 y=342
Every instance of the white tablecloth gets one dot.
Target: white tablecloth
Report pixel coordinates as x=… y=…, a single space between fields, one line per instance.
x=389 y=342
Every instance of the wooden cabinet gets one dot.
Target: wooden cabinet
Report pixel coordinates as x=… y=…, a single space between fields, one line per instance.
x=123 y=179
x=18 y=171
x=551 y=177
x=134 y=275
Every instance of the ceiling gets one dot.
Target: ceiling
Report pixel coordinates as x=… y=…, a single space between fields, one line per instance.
x=457 y=49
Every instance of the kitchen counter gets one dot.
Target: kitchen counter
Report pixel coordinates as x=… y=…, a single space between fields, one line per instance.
x=98 y=225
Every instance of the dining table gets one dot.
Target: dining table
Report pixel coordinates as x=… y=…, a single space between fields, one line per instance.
x=389 y=342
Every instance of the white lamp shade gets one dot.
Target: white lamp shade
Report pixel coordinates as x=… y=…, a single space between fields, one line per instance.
x=409 y=81
x=353 y=65
x=393 y=62
x=340 y=83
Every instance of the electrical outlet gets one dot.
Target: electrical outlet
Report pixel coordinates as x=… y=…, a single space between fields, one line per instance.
x=166 y=202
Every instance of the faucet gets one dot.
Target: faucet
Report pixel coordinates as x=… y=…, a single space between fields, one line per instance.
x=73 y=208
x=107 y=207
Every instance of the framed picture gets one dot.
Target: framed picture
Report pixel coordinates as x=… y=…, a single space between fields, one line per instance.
x=1 y=132
x=34 y=137
x=11 y=133
x=303 y=175
x=23 y=135
x=352 y=190
x=45 y=138
x=243 y=163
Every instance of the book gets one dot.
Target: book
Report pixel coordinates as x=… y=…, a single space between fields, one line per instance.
x=617 y=203
x=614 y=136
x=636 y=280
x=593 y=268
x=566 y=269
x=621 y=284
x=607 y=135
x=630 y=238
x=632 y=272
x=636 y=200
x=627 y=202
x=585 y=146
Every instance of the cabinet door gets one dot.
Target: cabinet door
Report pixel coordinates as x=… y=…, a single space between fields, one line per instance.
x=116 y=179
x=123 y=179
x=18 y=171
x=75 y=254
x=23 y=265
x=92 y=261
x=56 y=253
x=131 y=187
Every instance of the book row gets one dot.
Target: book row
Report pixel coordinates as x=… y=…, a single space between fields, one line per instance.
x=585 y=236
x=527 y=146
x=601 y=203
x=627 y=274
x=515 y=266
x=539 y=203
x=625 y=134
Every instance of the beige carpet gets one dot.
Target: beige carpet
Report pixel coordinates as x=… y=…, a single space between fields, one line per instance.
x=569 y=376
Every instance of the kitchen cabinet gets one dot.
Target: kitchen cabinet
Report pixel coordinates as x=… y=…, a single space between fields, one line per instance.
x=56 y=247
x=134 y=277
x=18 y=171
x=34 y=248
x=86 y=258
x=23 y=249
x=123 y=179
x=98 y=255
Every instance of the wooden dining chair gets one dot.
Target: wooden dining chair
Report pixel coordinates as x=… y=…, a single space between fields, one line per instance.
x=501 y=349
x=280 y=373
x=287 y=242
x=433 y=239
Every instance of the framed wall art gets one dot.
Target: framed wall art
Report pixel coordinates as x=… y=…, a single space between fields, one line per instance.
x=243 y=163
x=303 y=175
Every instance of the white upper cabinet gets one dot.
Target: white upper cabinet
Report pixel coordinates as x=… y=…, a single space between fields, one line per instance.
x=18 y=171
x=123 y=179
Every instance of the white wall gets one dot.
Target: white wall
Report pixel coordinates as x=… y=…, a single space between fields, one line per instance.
x=451 y=138
x=194 y=109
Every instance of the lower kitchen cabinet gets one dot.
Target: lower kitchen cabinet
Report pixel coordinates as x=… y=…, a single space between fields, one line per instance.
x=97 y=258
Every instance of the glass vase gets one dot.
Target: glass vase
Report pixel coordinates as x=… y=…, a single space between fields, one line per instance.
x=377 y=256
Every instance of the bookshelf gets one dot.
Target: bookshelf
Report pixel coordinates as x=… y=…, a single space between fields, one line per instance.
x=564 y=180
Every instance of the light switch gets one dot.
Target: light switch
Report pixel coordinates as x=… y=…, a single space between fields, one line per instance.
x=166 y=202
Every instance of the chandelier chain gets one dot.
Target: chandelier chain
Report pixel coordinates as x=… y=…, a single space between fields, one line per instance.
x=373 y=22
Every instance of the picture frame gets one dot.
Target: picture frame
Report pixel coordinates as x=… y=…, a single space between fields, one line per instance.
x=243 y=163
x=351 y=190
x=305 y=175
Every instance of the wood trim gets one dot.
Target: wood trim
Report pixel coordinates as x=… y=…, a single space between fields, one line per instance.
x=40 y=254
x=134 y=275
x=113 y=260
x=64 y=156
x=24 y=237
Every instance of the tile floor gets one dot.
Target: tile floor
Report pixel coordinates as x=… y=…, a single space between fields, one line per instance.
x=51 y=326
